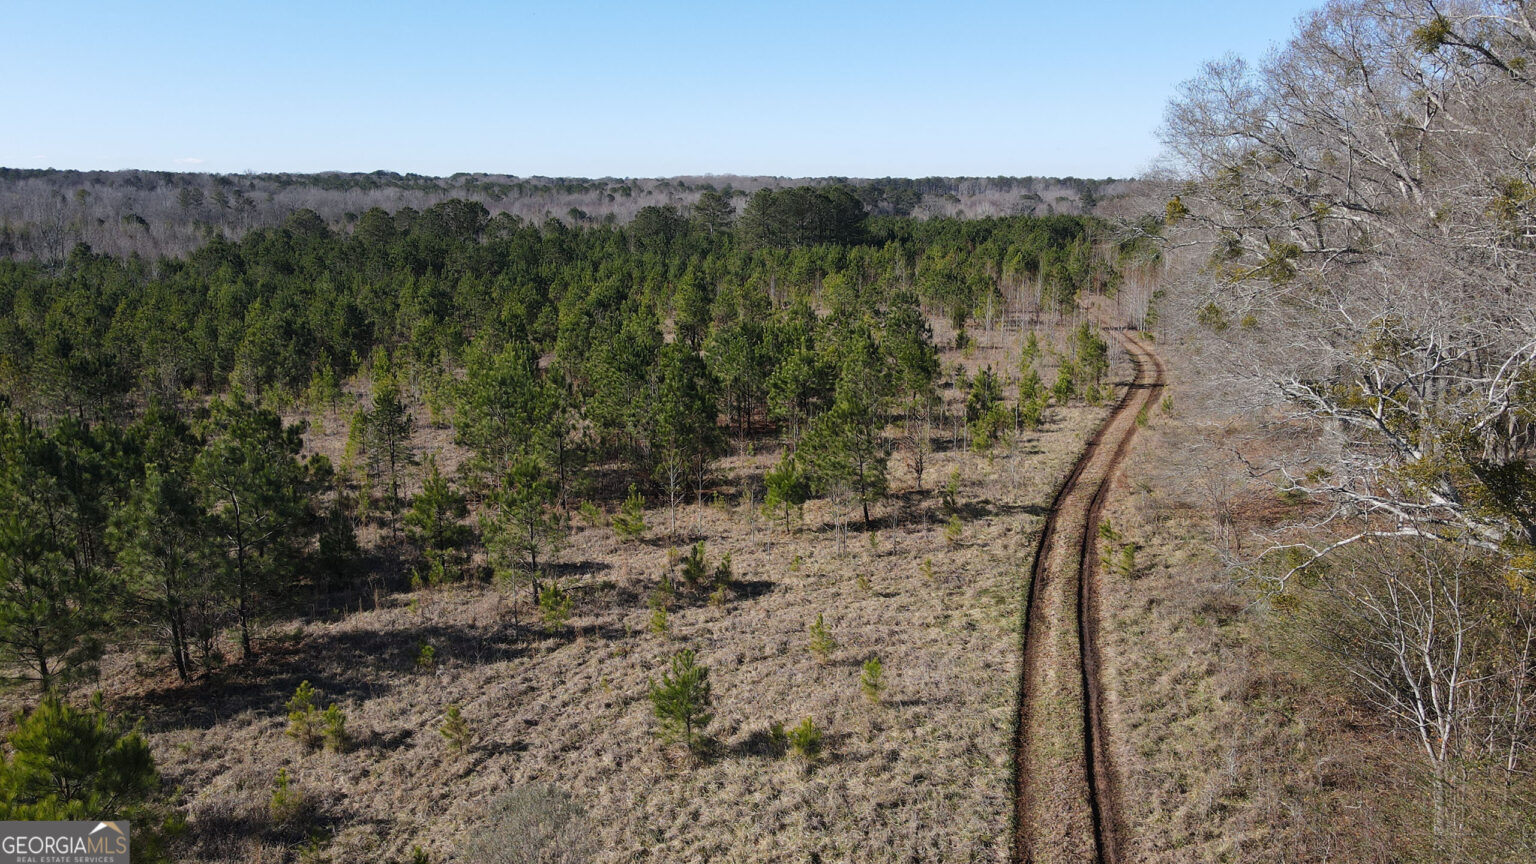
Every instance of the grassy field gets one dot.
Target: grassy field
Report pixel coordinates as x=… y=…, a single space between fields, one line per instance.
x=922 y=775
x=1226 y=753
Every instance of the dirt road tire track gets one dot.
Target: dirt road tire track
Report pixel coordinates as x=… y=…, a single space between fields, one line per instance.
x=1100 y=793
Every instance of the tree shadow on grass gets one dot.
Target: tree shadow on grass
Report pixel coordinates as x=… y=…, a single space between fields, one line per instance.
x=349 y=666
x=987 y=508
x=751 y=589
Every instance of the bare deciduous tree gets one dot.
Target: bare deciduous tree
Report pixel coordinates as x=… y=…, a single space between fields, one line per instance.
x=1368 y=203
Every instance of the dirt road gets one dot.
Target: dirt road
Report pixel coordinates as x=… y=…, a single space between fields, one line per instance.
x=1065 y=801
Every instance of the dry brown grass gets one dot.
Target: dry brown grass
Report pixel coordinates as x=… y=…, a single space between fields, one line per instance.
x=923 y=776
x=1224 y=753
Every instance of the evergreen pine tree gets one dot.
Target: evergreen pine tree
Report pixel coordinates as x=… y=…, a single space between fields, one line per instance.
x=390 y=451
x=69 y=763
x=435 y=521
x=681 y=700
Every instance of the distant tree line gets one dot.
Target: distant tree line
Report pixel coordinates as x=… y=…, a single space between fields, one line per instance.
x=45 y=212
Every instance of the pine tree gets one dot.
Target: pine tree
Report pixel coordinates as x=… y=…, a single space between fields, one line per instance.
x=166 y=559
x=695 y=569
x=821 y=643
x=333 y=728
x=908 y=340
x=788 y=487
x=554 y=607
x=1091 y=353
x=257 y=495
x=304 y=717
x=390 y=451
x=500 y=406
x=681 y=700
x=738 y=356
x=872 y=679
x=68 y=763
x=691 y=309
x=629 y=522
x=323 y=392
x=805 y=739
x=684 y=430
x=985 y=393
x=800 y=387
x=713 y=212
x=848 y=453
x=435 y=521
x=1029 y=353
x=523 y=527
x=456 y=730
x=52 y=598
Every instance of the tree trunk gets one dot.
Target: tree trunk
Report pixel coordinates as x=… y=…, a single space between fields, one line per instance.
x=242 y=610
x=178 y=632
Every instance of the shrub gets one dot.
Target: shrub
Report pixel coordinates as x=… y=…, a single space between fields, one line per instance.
x=872 y=679
x=822 y=644
x=304 y=721
x=805 y=740
x=590 y=513
x=694 y=566
x=682 y=699
x=456 y=730
x=629 y=522
x=426 y=657
x=554 y=607
x=334 y=729
x=658 y=623
x=287 y=804
x=953 y=529
x=724 y=575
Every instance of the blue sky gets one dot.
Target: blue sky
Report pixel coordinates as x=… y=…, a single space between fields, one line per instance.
x=609 y=89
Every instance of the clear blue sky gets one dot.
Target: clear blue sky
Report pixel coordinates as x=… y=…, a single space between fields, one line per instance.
x=867 y=89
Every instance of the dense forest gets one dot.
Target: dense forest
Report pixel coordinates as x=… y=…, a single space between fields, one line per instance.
x=154 y=475
x=44 y=212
